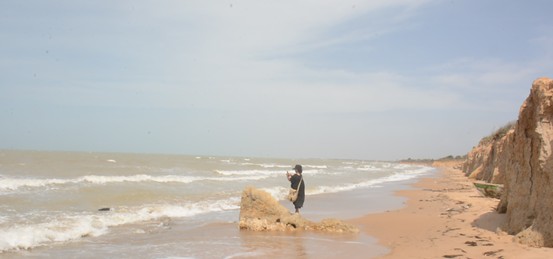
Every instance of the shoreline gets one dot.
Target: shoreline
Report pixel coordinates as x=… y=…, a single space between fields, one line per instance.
x=445 y=217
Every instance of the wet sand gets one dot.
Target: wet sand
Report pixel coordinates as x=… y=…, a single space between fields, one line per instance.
x=445 y=217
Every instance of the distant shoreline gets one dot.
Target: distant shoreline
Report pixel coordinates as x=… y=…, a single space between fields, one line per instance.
x=433 y=162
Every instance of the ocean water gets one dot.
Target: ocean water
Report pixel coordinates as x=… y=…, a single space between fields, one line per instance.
x=173 y=206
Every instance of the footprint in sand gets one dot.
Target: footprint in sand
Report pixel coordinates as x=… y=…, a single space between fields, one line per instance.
x=490 y=253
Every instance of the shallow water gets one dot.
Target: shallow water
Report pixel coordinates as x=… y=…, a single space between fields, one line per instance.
x=169 y=206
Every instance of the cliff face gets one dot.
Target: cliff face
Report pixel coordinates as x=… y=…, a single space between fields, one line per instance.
x=483 y=162
x=522 y=160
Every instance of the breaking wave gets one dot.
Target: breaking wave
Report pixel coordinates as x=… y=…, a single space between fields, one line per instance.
x=69 y=227
x=11 y=184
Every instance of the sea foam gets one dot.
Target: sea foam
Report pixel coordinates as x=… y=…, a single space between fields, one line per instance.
x=66 y=228
x=395 y=177
x=16 y=183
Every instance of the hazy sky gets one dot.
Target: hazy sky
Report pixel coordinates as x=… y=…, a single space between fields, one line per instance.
x=378 y=79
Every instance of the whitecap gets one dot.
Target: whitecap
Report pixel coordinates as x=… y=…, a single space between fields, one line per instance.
x=316 y=166
x=10 y=184
x=274 y=166
x=398 y=176
x=67 y=228
x=248 y=172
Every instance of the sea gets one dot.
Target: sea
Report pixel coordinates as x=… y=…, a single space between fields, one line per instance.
x=116 y=205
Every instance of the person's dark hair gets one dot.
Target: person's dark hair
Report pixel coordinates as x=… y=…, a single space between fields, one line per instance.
x=298 y=169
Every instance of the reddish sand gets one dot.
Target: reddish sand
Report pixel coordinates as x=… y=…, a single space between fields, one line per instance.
x=446 y=217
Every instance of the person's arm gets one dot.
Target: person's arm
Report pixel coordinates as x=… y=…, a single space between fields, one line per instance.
x=289 y=176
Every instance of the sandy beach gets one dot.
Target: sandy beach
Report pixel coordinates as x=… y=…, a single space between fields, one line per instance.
x=445 y=217
x=403 y=211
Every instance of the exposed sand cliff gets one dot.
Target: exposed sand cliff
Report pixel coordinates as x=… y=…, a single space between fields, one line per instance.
x=522 y=161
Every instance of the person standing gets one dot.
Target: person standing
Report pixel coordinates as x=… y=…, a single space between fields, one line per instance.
x=297 y=183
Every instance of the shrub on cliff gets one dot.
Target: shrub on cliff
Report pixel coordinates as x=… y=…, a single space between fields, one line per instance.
x=498 y=134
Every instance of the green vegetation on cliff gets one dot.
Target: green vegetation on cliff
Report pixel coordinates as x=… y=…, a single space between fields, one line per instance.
x=498 y=134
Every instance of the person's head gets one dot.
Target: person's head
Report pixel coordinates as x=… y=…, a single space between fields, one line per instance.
x=298 y=169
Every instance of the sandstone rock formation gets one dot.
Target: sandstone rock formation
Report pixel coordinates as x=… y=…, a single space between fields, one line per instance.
x=259 y=211
x=522 y=160
x=483 y=161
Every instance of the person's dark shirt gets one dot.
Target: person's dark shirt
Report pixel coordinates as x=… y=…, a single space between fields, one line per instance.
x=294 y=181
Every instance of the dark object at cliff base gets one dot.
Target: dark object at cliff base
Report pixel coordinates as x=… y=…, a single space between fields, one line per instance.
x=489 y=189
x=104 y=209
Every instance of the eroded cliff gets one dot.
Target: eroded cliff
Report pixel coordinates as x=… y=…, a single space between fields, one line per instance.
x=522 y=160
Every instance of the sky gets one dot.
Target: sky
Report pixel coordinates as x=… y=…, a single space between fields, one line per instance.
x=376 y=80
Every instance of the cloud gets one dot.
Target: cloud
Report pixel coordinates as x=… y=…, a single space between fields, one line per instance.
x=237 y=73
x=213 y=55
x=244 y=55
x=483 y=74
